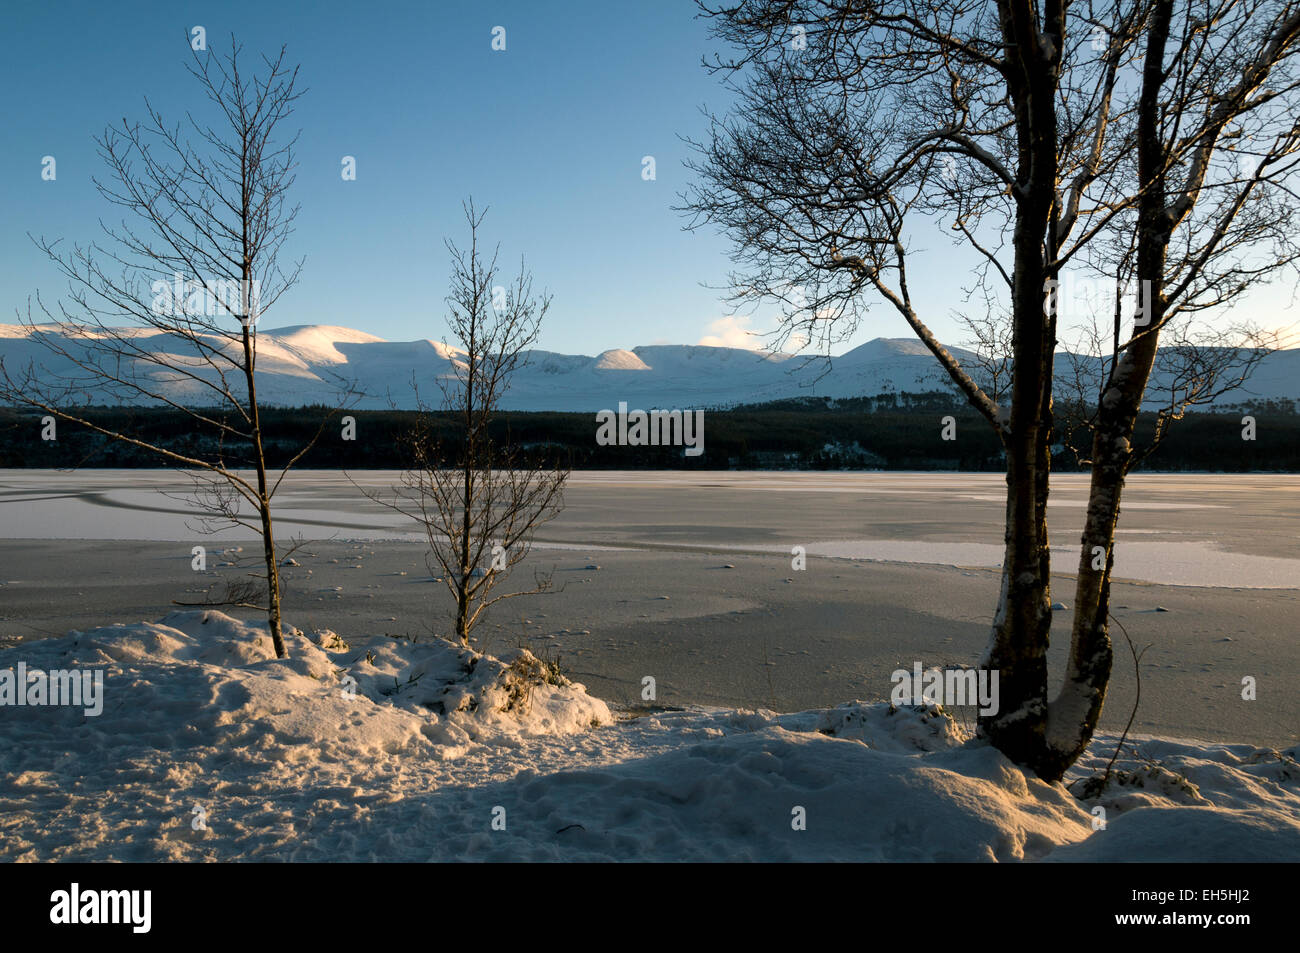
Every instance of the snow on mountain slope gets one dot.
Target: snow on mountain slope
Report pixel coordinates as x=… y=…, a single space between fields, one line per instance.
x=620 y=360
x=317 y=343
x=308 y=364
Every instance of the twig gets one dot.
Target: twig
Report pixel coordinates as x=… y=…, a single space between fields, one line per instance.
x=1137 y=672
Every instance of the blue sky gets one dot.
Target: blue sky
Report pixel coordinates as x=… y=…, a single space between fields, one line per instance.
x=549 y=134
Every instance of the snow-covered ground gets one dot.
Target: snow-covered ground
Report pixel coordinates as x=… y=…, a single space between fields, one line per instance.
x=207 y=747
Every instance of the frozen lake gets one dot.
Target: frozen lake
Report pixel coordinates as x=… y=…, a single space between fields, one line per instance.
x=695 y=583
x=1201 y=530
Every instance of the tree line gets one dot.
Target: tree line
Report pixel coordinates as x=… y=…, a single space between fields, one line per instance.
x=783 y=435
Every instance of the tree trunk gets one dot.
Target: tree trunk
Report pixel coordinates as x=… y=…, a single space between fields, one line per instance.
x=1076 y=711
x=1021 y=627
x=272 y=567
x=471 y=461
x=264 y=502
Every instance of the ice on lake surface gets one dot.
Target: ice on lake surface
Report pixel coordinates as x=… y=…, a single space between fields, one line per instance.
x=1205 y=530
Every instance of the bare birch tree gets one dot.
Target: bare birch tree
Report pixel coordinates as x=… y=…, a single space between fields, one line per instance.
x=197 y=260
x=854 y=119
x=1006 y=121
x=1206 y=227
x=480 y=499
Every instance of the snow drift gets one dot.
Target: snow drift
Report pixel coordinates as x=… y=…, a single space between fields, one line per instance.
x=209 y=748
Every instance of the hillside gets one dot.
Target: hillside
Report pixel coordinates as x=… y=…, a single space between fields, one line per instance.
x=309 y=364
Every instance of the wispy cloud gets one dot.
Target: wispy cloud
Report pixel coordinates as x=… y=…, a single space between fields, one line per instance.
x=733 y=331
x=736 y=330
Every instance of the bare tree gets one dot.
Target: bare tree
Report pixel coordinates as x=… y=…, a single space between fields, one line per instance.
x=855 y=119
x=1204 y=230
x=197 y=260
x=480 y=499
x=1011 y=123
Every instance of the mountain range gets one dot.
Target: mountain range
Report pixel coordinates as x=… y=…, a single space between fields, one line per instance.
x=302 y=365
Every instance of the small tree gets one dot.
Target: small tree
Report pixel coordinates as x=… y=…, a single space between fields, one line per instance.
x=198 y=260
x=480 y=500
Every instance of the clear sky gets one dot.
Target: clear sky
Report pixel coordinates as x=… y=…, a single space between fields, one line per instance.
x=549 y=134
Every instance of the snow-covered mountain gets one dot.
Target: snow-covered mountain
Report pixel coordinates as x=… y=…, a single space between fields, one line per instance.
x=305 y=365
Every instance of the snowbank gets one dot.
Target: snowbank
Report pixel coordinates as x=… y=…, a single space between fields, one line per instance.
x=776 y=788
x=1172 y=800
x=209 y=748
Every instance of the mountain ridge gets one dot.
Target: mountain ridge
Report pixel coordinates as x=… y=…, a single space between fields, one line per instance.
x=304 y=364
